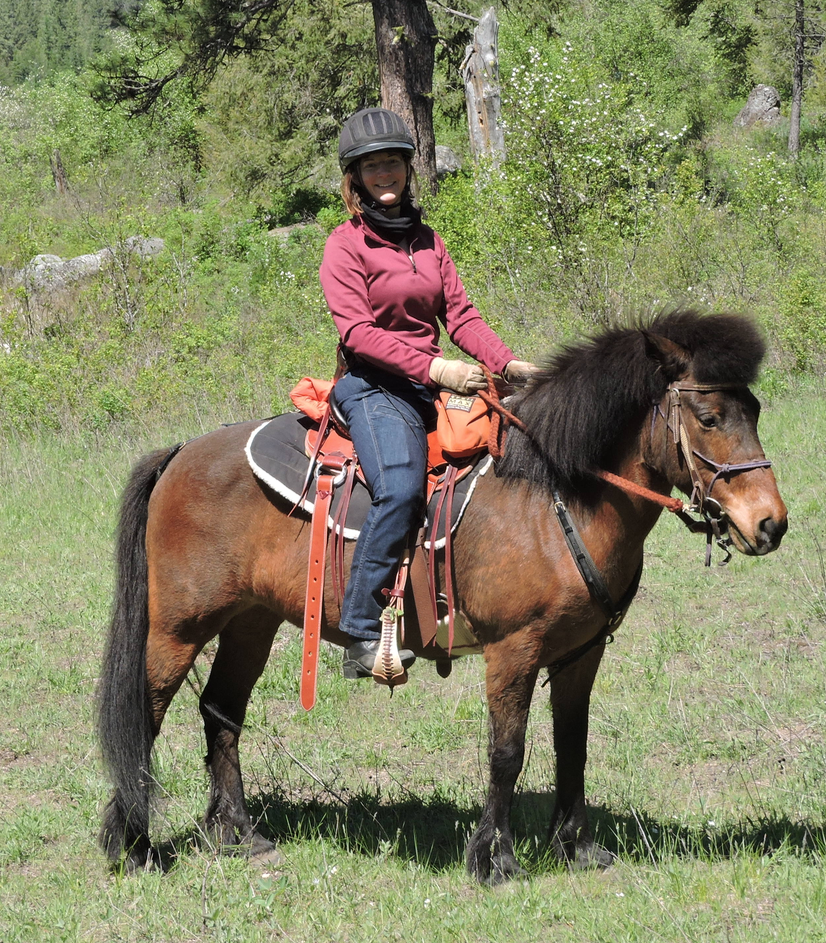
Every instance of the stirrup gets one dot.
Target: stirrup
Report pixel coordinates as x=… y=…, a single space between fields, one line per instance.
x=388 y=668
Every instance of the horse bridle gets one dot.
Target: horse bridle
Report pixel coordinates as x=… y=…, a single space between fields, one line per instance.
x=714 y=519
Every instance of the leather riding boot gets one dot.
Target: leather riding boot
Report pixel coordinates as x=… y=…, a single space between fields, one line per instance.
x=360 y=657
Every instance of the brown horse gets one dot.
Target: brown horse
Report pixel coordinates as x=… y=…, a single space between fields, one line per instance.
x=205 y=550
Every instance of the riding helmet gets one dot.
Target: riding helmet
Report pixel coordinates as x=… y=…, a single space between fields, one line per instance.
x=373 y=129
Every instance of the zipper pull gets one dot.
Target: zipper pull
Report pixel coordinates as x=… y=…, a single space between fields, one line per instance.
x=407 y=248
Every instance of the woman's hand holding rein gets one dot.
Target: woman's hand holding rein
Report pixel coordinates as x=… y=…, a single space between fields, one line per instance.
x=468 y=377
x=457 y=375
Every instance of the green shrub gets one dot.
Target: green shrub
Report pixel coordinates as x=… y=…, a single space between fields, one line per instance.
x=802 y=318
x=458 y=215
x=298 y=205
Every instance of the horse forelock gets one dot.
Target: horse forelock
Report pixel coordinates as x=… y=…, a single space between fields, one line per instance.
x=724 y=348
x=582 y=405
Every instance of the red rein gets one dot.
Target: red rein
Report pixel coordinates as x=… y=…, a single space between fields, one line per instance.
x=501 y=418
x=671 y=504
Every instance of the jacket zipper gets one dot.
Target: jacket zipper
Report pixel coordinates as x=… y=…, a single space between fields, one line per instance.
x=409 y=252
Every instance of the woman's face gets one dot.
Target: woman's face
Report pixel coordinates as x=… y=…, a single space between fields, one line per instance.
x=384 y=176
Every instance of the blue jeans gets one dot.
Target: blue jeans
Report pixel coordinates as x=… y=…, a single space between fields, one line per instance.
x=388 y=418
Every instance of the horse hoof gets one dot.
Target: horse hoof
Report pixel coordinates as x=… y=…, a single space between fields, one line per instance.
x=593 y=857
x=144 y=862
x=501 y=872
x=270 y=859
x=495 y=869
x=264 y=852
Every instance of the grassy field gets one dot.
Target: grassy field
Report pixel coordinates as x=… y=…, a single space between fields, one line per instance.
x=707 y=770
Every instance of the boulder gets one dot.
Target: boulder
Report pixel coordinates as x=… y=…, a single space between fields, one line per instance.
x=49 y=274
x=143 y=246
x=763 y=105
x=447 y=162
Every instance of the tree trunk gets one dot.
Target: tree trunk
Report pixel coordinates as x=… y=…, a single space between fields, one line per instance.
x=480 y=71
x=406 y=44
x=797 y=76
x=61 y=183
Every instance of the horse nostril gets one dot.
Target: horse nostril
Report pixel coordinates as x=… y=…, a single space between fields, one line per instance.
x=773 y=530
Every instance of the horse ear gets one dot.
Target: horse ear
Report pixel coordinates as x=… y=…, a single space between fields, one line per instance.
x=674 y=360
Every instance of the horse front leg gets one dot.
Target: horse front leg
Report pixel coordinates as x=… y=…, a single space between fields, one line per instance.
x=243 y=649
x=490 y=853
x=570 y=834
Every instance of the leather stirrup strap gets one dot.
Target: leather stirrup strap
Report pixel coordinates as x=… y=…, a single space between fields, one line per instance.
x=420 y=588
x=450 y=487
x=323 y=428
x=315 y=590
x=445 y=505
x=432 y=570
x=337 y=536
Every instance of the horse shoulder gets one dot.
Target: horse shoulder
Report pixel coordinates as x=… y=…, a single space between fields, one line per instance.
x=512 y=566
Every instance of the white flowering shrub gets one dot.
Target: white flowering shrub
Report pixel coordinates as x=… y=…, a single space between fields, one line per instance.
x=762 y=190
x=583 y=158
x=38 y=116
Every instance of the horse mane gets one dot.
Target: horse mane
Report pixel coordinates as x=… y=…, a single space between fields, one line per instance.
x=590 y=396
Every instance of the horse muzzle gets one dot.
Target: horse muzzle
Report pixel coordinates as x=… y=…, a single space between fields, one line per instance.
x=760 y=538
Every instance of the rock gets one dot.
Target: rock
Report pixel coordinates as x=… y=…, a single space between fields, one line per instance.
x=763 y=105
x=142 y=246
x=49 y=274
x=447 y=161
x=283 y=233
x=42 y=273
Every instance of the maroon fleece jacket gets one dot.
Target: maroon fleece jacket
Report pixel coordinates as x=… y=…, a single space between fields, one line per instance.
x=387 y=304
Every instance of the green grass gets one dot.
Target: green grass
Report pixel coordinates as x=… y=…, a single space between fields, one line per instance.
x=707 y=768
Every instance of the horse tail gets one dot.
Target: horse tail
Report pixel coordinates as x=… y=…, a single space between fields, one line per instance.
x=125 y=725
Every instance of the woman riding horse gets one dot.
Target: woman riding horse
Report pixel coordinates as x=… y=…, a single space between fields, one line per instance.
x=388 y=281
x=206 y=551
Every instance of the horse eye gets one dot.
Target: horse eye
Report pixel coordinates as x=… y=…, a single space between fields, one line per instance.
x=708 y=422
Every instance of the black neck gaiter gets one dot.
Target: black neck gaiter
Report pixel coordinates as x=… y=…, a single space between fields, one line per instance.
x=391 y=228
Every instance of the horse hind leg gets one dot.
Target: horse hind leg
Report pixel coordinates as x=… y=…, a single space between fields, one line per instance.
x=243 y=649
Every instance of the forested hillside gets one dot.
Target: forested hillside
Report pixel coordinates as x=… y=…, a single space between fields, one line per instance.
x=42 y=37
x=626 y=186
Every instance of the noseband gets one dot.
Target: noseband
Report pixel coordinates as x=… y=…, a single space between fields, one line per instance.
x=714 y=519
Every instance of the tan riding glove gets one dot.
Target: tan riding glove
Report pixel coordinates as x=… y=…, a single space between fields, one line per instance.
x=518 y=371
x=457 y=375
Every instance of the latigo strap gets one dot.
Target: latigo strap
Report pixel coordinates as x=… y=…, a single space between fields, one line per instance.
x=315 y=590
